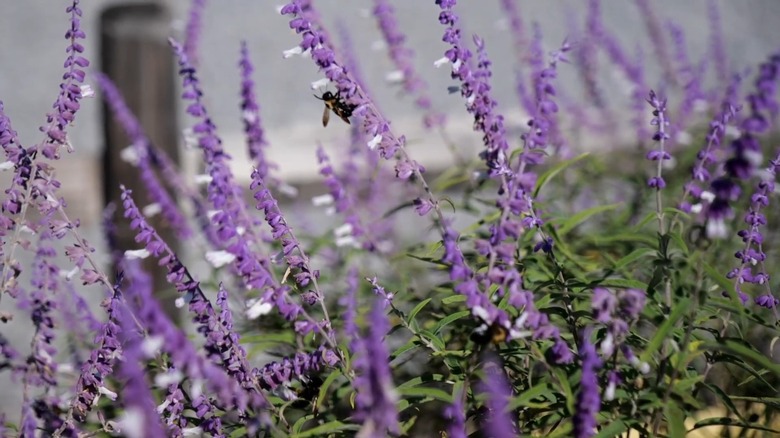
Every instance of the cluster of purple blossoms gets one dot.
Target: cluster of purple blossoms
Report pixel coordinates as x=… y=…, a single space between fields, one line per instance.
x=140 y=417
x=299 y=367
x=100 y=364
x=282 y=232
x=753 y=253
x=660 y=136
x=475 y=88
x=402 y=57
x=71 y=89
x=617 y=311
x=701 y=172
x=746 y=153
x=376 y=397
x=496 y=387
x=316 y=41
x=588 y=397
x=344 y=203
x=256 y=142
x=142 y=154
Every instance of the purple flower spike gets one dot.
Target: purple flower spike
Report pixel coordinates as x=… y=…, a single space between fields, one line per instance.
x=315 y=40
x=475 y=88
x=193 y=30
x=456 y=415
x=376 y=396
x=71 y=89
x=143 y=150
x=402 y=57
x=660 y=136
x=588 y=398
x=141 y=417
x=256 y=142
x=768 y=301
x=499 y=423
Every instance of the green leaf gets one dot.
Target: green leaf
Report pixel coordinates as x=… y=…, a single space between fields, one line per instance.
x=525 y=398
x=675 y=418
x=745 y=353
x=450 y=319
x=301 y=422
x=563 y=381
x=454 y=299
x=421 y=391
x=623 y=283
x=555 y=170
x=725 y=421
x=420 y=380
x=324 y=429
x=725 y=399
x=580 y=217
x=633 y=256
x=614 y=429
x=663 y=332
x=325 y=385
x=416 y=310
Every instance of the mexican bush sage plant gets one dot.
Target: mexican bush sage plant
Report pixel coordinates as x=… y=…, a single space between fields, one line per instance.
x=533 y=289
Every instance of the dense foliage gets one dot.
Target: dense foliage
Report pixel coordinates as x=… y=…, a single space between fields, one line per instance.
x=532 y=290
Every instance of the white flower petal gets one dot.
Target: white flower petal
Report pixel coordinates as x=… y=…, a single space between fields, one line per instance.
x=441 y=61
x=220 y=258
x=6 y=165
x=292 y=52
x=319 y=83
x=203 y=178
x=151 y=210
x=395 y=76
x=374 y=142
x=258 y=308
x=137 y=254
x=130 y=155
x=322 y=200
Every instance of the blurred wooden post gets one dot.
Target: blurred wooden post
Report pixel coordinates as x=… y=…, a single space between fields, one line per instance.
x=135 y=54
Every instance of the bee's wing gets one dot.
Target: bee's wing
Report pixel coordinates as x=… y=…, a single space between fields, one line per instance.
x=344 y=118
x=325 y=116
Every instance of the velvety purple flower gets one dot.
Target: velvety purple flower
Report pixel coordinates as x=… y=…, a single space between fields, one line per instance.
x=660 y=136
x=376 y=398
x=588 y=402
x=140 y=416
x=656 y=33
x=255 y=137
x=299 y=367
x=222 y=342
x=184 y=357
x=456 y=417
x=706 y=159
x=71 y=89
x=495 y=385
x=717 y=48
x=315 y=40
x=752 y=254
x=604 y=304
x=690 y=77
x=142 y=146
x=100 y=363
x=344 y=203
x=402 y=57
x=282 y=232
x=768 y=301
x=41 y=366
x=193 y=29
x=475 y=88
x=609 y=42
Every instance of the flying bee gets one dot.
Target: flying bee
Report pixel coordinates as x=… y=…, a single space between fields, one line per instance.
x=333 y=102
x=486 y=334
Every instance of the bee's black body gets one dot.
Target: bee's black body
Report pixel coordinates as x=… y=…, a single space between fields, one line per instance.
x=333 y=102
